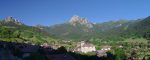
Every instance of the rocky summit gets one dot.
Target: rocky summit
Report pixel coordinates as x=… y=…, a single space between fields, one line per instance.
x=10 y=19
x=75 y=20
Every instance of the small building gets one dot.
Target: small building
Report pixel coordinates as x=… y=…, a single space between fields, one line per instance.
x=85 y=47
x=106 y=48
x=120 y=46
x=101 y=53
x=45 y=45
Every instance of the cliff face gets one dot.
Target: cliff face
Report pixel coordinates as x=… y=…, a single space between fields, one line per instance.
x=10 y=21
x=76 y=20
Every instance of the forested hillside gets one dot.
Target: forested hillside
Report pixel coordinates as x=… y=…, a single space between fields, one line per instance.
x=15 y=31
x=82 y=29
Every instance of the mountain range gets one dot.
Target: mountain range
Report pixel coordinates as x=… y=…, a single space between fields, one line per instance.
x=81 y=29
x=78 y=28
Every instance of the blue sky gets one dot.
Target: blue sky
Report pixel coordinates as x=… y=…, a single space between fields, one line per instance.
x=50 y=12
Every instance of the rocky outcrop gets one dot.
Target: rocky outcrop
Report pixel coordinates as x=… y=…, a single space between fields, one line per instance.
x=11 y=20
x=75 y=20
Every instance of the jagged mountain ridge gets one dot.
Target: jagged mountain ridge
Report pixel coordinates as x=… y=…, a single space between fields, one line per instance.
x=81 y=29
x=78 y=28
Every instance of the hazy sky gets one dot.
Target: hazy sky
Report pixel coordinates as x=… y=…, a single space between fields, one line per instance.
x=49 y=12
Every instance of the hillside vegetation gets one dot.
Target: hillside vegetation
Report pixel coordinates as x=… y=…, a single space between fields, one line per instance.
x=12 y=30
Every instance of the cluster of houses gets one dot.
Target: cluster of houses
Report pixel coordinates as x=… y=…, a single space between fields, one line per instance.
x=103 y=51
x=85 y=47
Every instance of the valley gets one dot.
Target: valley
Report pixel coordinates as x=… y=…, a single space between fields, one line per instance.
x=80 y=39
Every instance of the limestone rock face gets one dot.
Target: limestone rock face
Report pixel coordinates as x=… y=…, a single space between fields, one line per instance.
x=10 y=19
x=75 y=20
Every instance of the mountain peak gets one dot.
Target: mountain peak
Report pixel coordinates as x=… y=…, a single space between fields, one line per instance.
x=10 y=19
x=78 y=20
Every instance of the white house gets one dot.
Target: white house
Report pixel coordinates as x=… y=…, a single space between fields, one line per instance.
x=106 y=48
x=85 y=47
x=103 y=51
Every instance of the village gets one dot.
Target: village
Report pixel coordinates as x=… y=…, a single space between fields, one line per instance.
x=25 y=50
x=21 y=51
